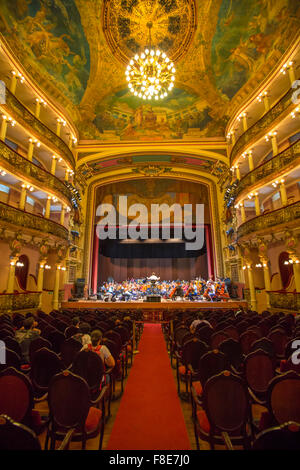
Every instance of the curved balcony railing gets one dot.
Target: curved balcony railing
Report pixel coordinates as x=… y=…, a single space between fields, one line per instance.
x=262 y=222
x=285 y=300
x=14 y=216
x=262 y=124
x=272 y=167
x=19 y=301
x=22 y=115
x=20 y=166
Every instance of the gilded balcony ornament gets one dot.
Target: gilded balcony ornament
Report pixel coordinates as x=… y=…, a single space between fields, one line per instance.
x=262 y=124
x=22 y=167
x=285 y=300
x=26 y=118
x=19 y=301
x=17 y=217
x=152 y=170
x=272 y=167
x=284 y=215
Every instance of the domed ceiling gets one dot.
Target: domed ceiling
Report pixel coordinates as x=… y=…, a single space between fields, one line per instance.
x=77 y=50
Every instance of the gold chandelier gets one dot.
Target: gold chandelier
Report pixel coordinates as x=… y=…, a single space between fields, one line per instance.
x=150 y=74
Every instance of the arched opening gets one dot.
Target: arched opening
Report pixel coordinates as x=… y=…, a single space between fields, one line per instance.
x=21 y=272
x=127 y=258
x=285 y=268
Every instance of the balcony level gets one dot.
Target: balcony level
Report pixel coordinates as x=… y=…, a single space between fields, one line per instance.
x=36 y=128
x=287 y=216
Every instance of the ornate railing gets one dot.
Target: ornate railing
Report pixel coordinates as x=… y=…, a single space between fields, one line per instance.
x=262 y=124
x=272 y=166
x=24 y=219
x=20 y=165
x=285 y=300
x=19 y=301
x=280 y=216
x=26 y=118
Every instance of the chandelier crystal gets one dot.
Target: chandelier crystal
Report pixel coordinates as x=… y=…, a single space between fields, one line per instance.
x=150 y=75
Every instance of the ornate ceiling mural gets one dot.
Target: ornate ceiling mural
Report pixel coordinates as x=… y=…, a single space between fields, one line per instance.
x=126 y=26
x=247 y=33
x=50 y=34
x=81 y=47
x=182 y=115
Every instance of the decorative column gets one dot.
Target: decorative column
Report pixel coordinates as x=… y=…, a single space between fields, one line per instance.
x=30 y=149
x=70 y=143
x=296 y=269
x=233 y=138
x=61 y=255
x=11 y=275
x=243 y=212
x=245 y=123
x=250 y=160
x=283 y=194
x=22 y=202
x=267 y=280
x=291 y=72
x=62 y=214
x=95 y=262
x=37 y=110
x=3 y=128
x=53 y=165
x=257 y=204
x=40 y=279
x=274 y=143
x=58 y=127
x=252 y=288
x=48 y=207
x=210 y=260
x=13 y=82
x=238 y=173
x=55 y=302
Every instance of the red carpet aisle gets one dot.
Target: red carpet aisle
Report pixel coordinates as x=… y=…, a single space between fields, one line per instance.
x=150 y=416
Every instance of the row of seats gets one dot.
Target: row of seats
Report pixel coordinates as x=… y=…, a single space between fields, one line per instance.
x=75 y=382
x=230 y=363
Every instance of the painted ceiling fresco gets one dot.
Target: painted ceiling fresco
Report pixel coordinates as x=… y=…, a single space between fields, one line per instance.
x=126 y=25
x=80 y=46
x=247 y=32
x=50 y=34
x=123 y=116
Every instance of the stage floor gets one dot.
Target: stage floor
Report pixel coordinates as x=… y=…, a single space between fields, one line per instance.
x=158 y=306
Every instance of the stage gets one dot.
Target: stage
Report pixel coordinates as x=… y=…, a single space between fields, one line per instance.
x=156 y=310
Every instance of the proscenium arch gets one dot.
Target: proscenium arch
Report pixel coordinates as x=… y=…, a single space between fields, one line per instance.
x=89 y=211
x=132 y=149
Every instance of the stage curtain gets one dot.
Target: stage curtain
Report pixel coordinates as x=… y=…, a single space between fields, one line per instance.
x=166 y=268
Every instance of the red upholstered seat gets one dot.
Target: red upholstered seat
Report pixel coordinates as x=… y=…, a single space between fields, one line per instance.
x=93 y=419
x=203 y=421
x=198 y=388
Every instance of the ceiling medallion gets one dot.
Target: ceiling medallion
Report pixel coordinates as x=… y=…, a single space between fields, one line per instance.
x=125 y=26
x=150 y=74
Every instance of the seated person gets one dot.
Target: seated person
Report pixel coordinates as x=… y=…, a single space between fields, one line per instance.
x=25 y=335
x=199 y=321
x=101 y=350
x=75 y=322
x=83 y=334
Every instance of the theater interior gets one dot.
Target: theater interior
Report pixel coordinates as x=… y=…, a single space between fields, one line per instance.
x=138 y=340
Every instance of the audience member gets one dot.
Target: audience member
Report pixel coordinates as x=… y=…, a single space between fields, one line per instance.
x=26 y=335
